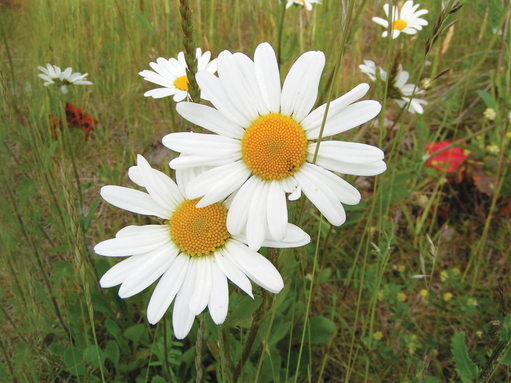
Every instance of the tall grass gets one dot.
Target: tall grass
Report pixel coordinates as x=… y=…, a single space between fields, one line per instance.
x=368 y=319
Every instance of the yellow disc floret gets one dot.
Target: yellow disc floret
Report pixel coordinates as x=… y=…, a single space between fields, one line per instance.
x=274 y=147
x=399 y=24
x=181 y=83
x=199 y=231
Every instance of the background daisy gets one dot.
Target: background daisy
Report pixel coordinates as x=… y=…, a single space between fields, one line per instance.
x=171 y=74
x=408 y=21
x=53 y=75
x=192 y=251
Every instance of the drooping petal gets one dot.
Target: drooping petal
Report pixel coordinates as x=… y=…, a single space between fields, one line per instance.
x=182 y=317
x=200 y=298
x=219 y=298
x=277 y=210
x=167 y=288
x=233 y=272
x=240 y=206
x=255 y=266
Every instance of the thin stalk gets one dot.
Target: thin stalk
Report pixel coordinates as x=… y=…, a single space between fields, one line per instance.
x=198 y=349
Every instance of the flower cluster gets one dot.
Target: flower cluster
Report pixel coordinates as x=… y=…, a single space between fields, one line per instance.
x=230 y=195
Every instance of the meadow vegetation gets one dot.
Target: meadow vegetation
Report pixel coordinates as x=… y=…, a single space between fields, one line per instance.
x=383 y=298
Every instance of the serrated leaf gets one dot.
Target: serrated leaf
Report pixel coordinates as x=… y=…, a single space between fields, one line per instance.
x=467 y=370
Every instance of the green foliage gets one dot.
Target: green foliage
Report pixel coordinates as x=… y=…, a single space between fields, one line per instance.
x=467 y=370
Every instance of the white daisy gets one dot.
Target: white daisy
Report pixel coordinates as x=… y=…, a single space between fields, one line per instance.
x=191 y=251
x=265 y=142
x=408 y=21
x=306 y=3
x=53 y=75
x=398 y=89
x=171 y=74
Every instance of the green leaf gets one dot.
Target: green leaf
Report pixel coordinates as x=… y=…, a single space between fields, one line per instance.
x=505 y=334
x=112 y=352
x=94 y=355
x=73 y=360
x=114 y=329
x=487 y=99
x=158 y=379
x=135 y=332
x=467 y=370
x=243 y=310
x=321 y=329
x=100 y=303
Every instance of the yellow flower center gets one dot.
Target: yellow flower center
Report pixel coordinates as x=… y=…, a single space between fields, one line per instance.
x=399 y=24
x=181 y=83
x=274 y=146
x=199 y=231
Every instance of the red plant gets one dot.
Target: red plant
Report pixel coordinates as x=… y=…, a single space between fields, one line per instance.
x=75 y=118
x=447 y=161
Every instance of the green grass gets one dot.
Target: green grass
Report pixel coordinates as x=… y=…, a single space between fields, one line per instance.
x=369 y=320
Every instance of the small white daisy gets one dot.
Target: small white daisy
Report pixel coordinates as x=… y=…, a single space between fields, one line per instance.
x=306 y=3
x=266 y=139
x=53 y=75
x=398 y=88
x=408 y=21
x=192 y=251
x=171 y=74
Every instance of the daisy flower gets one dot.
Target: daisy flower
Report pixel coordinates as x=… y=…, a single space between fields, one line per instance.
x=171 y=74
x=398 y=88
x=192 y=251
x=53 y=75
x=266 y=138
x=408 y=21
x=306 y=3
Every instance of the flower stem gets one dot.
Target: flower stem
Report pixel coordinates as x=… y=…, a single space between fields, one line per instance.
x=198 y=350
x=190 y=48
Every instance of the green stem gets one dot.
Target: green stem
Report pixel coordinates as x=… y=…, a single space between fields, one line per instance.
x=190 y=49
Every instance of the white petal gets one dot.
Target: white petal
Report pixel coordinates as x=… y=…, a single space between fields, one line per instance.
x=295 y=237
x=182 y=317
x=383 y=22
x=351 y=116
x=213 y=89
x=255 y=266
x=184 y=162
x=167 y=288
x=240 y=206
x=247 y=68
x=219 y=298
x=235 y=85
x=216 y=184
x=345 y=192
x=315 y=118
x=257 y=223
x=277 y=210
x=134 y=201
x=121 y=271
x=157 y=188
x=144 y=242
x=300 y=89
x=160 y=92
x=210 y=119
x=371 y=169
x=207 y=145
x=352 y=152
x=232 y=272
x=156 y=263
x=268 y=77
x=135 y=174
x=203 y=278
x=321 y=196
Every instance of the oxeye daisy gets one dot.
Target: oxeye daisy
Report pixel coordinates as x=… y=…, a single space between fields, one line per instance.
x=407 y=21
x=53 y=75
x=266 y=138
x=171 y=74
x=398 y=88
x=306 y=3
x=191 y=251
